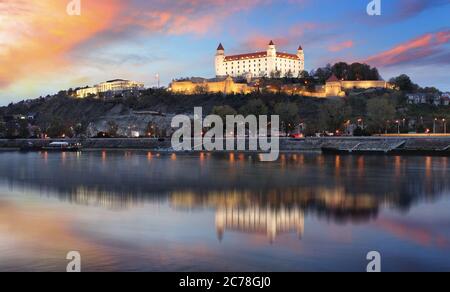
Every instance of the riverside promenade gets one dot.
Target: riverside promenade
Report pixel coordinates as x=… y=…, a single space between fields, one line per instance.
x=397 y=144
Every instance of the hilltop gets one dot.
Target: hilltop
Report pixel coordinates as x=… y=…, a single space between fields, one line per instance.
x=148 y=112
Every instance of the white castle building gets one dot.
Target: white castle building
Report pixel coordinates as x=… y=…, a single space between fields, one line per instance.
x=112 y=86
x=269 y=63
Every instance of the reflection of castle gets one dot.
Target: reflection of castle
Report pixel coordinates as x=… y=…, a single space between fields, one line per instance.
x=260 y=220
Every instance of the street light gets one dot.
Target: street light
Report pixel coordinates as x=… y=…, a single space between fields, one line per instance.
x=434 y=125
x=444 y=121
x=398 y=126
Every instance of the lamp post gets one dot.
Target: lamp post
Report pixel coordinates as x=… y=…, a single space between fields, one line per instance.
x=444 y=121
x=158 y=79
x=398 y=126
x=434 y=126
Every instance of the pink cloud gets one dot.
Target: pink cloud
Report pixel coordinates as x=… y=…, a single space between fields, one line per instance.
x=341 y=46
x=35 y=35
x=182 y=16
x=428 y=46
x=418 y=234
x=293 y=36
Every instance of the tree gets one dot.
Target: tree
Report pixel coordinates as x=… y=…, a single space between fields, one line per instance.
x=289 y=74
x=255 y=107
x=404 y=83
x=358 y=104
x=223 y=111
x=3 y=129
x=379 y=112
x=113 y=128
x=24 y=131
x=333 y=114
x=323 y=74
x=354 y=72
x=275 y=74
x=289 y=115
x=79 y=129
x=56 y=128
x=201 y=89
x=341 y=70
x=360 y=71
x=303 y=74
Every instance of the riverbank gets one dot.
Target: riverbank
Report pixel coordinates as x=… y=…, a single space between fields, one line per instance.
x=397 y=145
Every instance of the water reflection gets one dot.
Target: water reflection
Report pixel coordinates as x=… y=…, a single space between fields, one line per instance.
x=165 y=211
x=270 y=222
x=338 y=188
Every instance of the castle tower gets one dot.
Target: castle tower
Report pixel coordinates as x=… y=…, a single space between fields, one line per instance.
x=220 y=61
x=271 y=59
x=301 y=56
x=271 y=50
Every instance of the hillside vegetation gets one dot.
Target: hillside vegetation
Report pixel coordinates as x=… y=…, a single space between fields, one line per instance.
x=373 y=111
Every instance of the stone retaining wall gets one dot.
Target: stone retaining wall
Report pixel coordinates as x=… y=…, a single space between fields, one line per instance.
x=286 y=144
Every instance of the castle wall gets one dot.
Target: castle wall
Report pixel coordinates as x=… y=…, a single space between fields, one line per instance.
x=187 y=87
x=364 y=84
x=227 y=86
x=336 y=88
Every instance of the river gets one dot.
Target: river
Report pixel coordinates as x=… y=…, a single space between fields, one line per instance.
x=149 y=211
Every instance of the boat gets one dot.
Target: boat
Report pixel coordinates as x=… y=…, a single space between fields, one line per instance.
x=63 y=147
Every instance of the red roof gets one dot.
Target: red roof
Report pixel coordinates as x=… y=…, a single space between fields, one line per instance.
x=287 y=56
x=246 y=56
x=333 y=78
x=259 y=55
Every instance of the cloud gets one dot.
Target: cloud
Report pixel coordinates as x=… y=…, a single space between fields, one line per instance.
x=38 y=37
x=406 y=9
x=182 y=16
x=410 y=231
x=294 y=36
x=341 y=46
x=35 y=35
x=427 y=49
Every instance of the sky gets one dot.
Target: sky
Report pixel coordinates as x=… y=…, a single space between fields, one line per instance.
x=43 y=49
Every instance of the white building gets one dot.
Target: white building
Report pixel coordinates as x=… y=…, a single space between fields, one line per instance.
x=417 y=98
x=445 y=98
x=269 y=63
x=112 y=86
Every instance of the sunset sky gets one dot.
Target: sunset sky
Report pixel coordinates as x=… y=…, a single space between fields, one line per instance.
x=43 y=50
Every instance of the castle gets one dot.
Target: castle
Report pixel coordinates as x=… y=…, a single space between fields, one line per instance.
x=260 y=64
x=242 y=74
